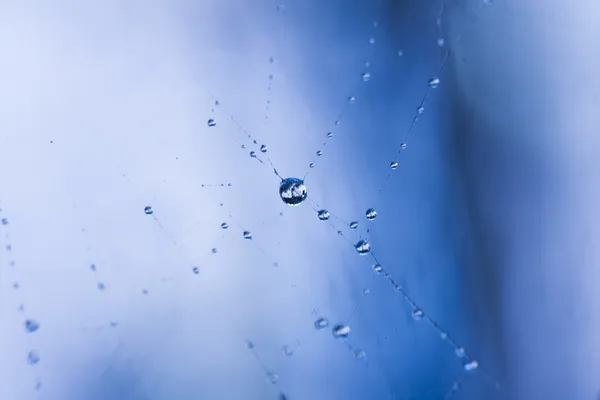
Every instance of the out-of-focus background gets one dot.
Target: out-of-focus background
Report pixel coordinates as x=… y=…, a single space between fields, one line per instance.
x=488 y=222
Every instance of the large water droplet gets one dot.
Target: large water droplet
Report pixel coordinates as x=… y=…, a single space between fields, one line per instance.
x=31 y=325
x=323 y=215
x=353 y=224
x=292 y=191
x=148 y=210
x=247 y=235
x=371 y=214
x=321 y=323
x=362 y=247
x=33 y=357
x=340 y=331
x=211 y=122
x=366 y=76
x=263 y=148
x=433 y=83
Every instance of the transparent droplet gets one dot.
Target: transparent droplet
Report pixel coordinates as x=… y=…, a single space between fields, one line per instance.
x=441 y=42
x=329 y=134
x=271 y=77
x=359 y=354
x=377 y=268
x=4 y=221
x=460 y=352
x=319 y=153
x=101 y=286
x=337 y=122
x=400 y=53
x=211 y=122
x=340 y=331
x=263 y=148
x=371 y=214
x=372 y=40
x=366 y=291
x=214 y=250
x=249 y=344
x=418 y=314
x=287 y=350
x=321 y=323
x=311 y=165
x=31 y=325
x=196 y=270
x=273 y=377
x=281 y=8
x=362 y=247
x=351 y=99
x=375 y=24
x=443 y=335
x=292 y=191
x=224 y=225
x=367 y=64
x=252 y=154
x=33 y=357
x=471 y=365
x=366 y=76
x=247 y=235
x=148 y=210
x=323 y=215
x=433 y=83
x=93 y=267
x=353 y=224
x=403 y=146
x=420 y=109
x=271 y=60
x=394 y=164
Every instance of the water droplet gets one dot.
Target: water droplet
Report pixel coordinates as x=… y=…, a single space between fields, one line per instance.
x=247 y=235
x=211 y=122
x=214 y=250
x=366 y=76
x=471 y=365
x=31 y=325
x=253 y=154
x=311 y=165
x=101 y=286
x=418 y=314
x=148 y=210
x=249 y=344
x=441 y=42
x=394 y=164
x=319 y=153
x=271 y=77
x=351 y=99
x=362 y=247
x=420 y=109
x=367 y=64
x=145 y=291
x=224 y=225
x=4 y=221
x=196 y=270
x=292 y=191
x=271 y=60
x=282 y=396
x=372 y=40
x=93 y=267
x=33 y=357
x=263 y=148
x=377 y=268
x=340 y=331
x=281 y=8
x=443 y=335
x=321 y=323
x=359 y=354
x=353 y=224
x=375 y=24
x=433 y=83
x=460 y=352
x=287 y=350
x=329 y=134
x=323 y=215
x=273 y=377
x=337 y=121
x=371 y=214
x=366 y=291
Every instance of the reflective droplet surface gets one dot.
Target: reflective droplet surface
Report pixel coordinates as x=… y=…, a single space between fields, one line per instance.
x=323 y=215
x=340 y=331
x=353 y=224
x=319 y=153
x=311 y=165
x=371 y=214
x=433 y=83
x=33 y=357
x=148 y=210
x=441 y=42
x=292 y=191
x=366 y=291
x=196 y=270
x=4 y=221
x=471 y=365
x=288 y=350
x=460 y=352
x=351 y=99
x=421 y=109
x=253 y=154
x=403 y=146
x=329 y=134
x=247 y=235
x=394 y=164
x=101 y=286
x=418 y=314
x=211 y=122
x=362 y=247
x=224 y=225
x=377 y=268
x=263 y=148
x=366 y=76
x=321 y=323
x=359 y=354
x=31 y=325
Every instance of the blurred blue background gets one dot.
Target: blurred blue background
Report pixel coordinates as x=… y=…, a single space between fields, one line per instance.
x=487 y=222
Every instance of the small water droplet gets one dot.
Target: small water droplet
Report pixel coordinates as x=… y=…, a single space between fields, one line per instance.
x=366 y=291
x=321 y=323
x=93 y=267
x=377 y=268
x=329 y=134
x=375 y=24
x=281 y=8
x=353 y=224
x=211 y=122
x=337 y=121
x=292 y=191
x=362 y=247
x=323 y=215
x=366 y=76
x=418 y=314
x=403 y=146
x=371 y=214
x=400 y=53
x=101 y=286
x=433 y=83
x=394 y=164
x=249 y=344
x=145 y=291
x=148 y=210
x=31 y=325
x=311 y=165
x=471 y=365
x=340 y=331
x=441 y=42
x=287 y=350
x=460 y=352
x=273 y=377
x=372 y=40
x=352 y=99
x=443 y=335
x=214 y=250
x=247 y=235
x=263 y=148
x=33 y=357
x=359 y=354
x=421 y=109
x=271 y=60
x=224 y=225
x=253 y=154
x=319 y=153
x=5 y=221
x=196 y=270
